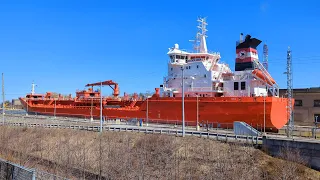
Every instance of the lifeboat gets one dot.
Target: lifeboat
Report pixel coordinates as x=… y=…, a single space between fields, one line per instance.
x=264 y=77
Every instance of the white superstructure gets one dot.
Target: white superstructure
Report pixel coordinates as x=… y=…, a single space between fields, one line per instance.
x=205 y=76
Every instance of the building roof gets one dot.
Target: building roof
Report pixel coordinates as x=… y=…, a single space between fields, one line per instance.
x=305 y=90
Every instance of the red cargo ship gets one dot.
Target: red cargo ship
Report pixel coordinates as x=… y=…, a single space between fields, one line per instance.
x=213 y=94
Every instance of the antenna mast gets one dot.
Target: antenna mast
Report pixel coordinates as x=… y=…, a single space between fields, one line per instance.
x=200 y=44
x=32 y=88
x=265 y=56
x=290 y=124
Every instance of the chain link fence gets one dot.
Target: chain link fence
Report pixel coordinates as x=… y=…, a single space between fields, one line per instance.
x=11 y=171
x=40 y=175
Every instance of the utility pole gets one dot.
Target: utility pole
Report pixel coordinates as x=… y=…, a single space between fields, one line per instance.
x=265 y=56
x=3 y=104
x=101 y=107
x=183 y=123
x=290 y=124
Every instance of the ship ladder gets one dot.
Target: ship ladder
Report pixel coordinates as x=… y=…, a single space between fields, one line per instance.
x=133 y=103
x=50 y=102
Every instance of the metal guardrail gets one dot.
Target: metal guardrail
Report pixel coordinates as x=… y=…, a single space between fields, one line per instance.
x=210 y=135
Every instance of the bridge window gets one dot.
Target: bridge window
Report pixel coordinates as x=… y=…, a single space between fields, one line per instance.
x=177 y=56
x=297 y=102
x=236 y=85
x=316 y=103
x=243 y=85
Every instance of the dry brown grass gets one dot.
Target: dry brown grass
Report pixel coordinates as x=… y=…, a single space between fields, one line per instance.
x=117 y=155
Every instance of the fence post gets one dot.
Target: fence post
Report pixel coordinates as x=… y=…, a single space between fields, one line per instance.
x=226 y=137
x=34 y=175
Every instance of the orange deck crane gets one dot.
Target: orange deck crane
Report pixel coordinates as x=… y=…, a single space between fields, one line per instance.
x=110 y=83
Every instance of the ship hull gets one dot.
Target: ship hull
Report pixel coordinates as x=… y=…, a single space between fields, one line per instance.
x=214 y=112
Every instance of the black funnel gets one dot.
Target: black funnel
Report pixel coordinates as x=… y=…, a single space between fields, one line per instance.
x=249 y=43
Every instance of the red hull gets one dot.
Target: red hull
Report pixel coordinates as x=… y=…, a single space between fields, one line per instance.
x=221 y=111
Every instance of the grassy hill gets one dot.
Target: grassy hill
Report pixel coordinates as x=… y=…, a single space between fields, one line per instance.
x=117 y=155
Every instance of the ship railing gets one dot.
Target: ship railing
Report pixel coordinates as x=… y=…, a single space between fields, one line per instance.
x=204 y=89
x=200 y=89
x=274 y=89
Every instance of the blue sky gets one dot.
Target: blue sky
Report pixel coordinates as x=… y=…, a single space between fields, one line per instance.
x=63 y=45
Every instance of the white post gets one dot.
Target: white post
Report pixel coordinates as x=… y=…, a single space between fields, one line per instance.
x=101 y=107
x=27 y=101
x=91 y=118
x=55 y=103
x=147 y=115
x=183 y=123
x=264 y=114
x=198 y=127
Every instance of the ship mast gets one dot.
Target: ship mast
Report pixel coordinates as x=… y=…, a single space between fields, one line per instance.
x=32 y=88
x=200 y=44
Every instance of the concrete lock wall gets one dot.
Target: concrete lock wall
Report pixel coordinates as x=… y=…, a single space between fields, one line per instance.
x=309 y=150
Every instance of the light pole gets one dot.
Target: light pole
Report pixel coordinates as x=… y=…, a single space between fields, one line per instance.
x=27 y=101
x=147 y=115
x=91 y=118
x=198 y=113
x=197 y=95
x=264 y=114
x=183 y=123
x=55 y=104
x=101 y=107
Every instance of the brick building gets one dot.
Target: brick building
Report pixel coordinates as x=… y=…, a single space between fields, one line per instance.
x=16 y=104
x=307 y=105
